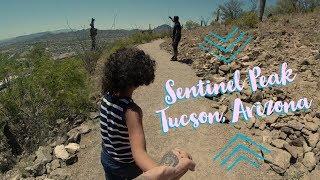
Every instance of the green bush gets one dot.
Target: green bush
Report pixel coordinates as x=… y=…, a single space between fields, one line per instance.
x=136 y=38
x=248 y=19
x=191 y=24
x=44 y=91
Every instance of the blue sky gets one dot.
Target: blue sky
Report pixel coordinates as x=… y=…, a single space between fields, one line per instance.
x=20 y=17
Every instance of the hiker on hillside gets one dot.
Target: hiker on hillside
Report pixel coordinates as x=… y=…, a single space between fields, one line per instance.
x=176 y=36
x=124 y=154
x=93 y=34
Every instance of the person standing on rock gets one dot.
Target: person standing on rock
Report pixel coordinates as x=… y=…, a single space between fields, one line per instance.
x=124 y=154
x=93 y=34
x=176 y=36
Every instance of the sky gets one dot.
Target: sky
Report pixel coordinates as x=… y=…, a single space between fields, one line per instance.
x=22 y=17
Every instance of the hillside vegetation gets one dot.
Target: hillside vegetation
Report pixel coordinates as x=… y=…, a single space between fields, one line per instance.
x=41 y=99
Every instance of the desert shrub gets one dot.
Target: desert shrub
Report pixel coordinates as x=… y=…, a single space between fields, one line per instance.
x=248 y=19
x=293 y=6
x=44 y=91
x=191 y=24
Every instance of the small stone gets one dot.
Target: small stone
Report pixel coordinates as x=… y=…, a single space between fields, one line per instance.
x=43 y=155
x=275 y=134
x=60 y=140
x=306 y=148
x=278 y=143
x=72 y=148
x=59 y=174
x=311 y=126
x=74 y=136
x=271 y=119
x=55 y=164
x=249 y=124
x=306 y=131
x=292 y=136
x=257 y=96
x=291 y=150
x=282 y=135
x=279 y=160
x=94 y=115
x=72 y=159
x=266 y=138
x=237 y=126
x=262 y=125
x=297 y=142
x=36 y=169
x=309 y=161
x=313 y=139
x=295 y=125
x=287 y=130
x=60 y=152
x=83 y=129
x=245 y=58
x=224 y=68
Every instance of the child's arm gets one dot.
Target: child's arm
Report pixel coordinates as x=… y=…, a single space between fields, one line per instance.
x=137 y=139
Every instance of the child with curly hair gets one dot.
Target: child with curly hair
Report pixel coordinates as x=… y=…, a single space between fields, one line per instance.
x=124 y=153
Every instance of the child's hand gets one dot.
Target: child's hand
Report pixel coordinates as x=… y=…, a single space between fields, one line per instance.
x=185 y=159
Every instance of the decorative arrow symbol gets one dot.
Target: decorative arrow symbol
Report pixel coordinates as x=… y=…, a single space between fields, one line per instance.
x=225 y=49
x=238 y=149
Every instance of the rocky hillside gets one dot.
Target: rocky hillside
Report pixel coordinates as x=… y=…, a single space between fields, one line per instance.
x=294 y=39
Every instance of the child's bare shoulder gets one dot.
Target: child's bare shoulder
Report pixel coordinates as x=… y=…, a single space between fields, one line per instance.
x=134 y=108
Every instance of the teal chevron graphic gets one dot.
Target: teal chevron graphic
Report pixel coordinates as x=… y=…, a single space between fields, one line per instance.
x=240 y=41
x=238 y=149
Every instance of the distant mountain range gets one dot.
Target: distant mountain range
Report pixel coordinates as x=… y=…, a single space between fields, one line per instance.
x=66 y=41
x=67 y=34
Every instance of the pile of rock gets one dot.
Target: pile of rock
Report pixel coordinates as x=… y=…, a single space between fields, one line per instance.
x=293 y=139
x=49 y=161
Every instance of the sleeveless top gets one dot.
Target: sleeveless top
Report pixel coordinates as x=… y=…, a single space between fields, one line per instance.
x=114 y=131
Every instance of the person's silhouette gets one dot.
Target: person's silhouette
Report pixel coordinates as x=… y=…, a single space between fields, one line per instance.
x=93 y=34
x=176 y=36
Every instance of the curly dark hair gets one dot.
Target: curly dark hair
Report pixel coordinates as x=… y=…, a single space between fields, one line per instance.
x=126 y=68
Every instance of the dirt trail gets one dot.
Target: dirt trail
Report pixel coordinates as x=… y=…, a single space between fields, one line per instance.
x=203 y=143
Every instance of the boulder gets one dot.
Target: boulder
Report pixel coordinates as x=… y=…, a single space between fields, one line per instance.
x=309 y=161
x=72 y=148
x=61 y=153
